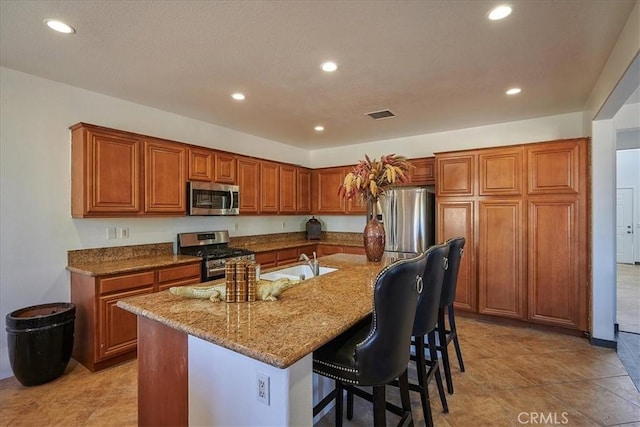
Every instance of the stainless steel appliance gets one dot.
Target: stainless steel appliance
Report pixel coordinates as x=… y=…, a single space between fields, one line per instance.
x=408 y=216
x=213 y=247
x=209 y=198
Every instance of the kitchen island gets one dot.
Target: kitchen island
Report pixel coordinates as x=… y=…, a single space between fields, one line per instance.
x=199 y=361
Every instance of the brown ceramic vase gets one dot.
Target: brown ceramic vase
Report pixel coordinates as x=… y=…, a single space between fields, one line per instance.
x=374 y=239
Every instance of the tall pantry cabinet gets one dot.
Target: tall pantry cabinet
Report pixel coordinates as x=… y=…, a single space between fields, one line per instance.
x=523 y=211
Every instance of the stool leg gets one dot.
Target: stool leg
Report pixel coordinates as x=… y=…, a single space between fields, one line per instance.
x=442 y=337
x=349 y=405
x=454 y=331
x=379 y=406
x=403 y=381
x=433 y=355
x=339 y=398
x=421 y=368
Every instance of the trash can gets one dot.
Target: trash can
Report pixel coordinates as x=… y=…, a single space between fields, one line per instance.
x=40 y=341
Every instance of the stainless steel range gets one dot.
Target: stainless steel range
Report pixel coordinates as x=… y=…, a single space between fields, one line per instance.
x=213 y=247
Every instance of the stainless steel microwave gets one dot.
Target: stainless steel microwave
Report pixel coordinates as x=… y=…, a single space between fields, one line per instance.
x=207 y=198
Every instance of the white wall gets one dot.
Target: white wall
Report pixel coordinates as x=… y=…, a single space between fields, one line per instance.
x=36 y=228
x=628 y=176
x=518 y=132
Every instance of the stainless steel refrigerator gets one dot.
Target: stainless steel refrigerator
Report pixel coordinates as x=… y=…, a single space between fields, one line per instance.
x=408 y=216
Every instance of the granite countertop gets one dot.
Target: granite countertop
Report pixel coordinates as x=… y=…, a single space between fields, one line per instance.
x=274 y=242
x=124 y=259
x=274 y=246
x=102 y=268
x=275 y=332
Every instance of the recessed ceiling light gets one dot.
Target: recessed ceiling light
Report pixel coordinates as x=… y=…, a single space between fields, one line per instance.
x=238 y=96
x=514 y=91
x=59 y=26
x=500 y=12
x=319 y=128
x=329 y=67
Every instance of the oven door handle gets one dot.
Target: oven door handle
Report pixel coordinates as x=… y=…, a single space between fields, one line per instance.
x=212 y=271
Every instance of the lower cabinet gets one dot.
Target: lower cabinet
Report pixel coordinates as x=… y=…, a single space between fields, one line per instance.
x=324 y=250
x=104 y=333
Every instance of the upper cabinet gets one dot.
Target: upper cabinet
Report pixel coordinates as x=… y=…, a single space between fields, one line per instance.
x=105 y=172
x=554 y=168
x=201 y=163
x=501 y=171
x=423 y=172
x=165 y=177
x=249 y=183
x=288 y=189
x=225 y=168
x=269 y=187
x=456 y=175
x=303 y=191
x=325 y=184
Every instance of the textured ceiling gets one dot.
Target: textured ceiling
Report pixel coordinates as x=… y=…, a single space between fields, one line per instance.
x=438 y=65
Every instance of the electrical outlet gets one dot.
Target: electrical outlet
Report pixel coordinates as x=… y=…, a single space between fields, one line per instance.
x=123 y=232
x=263 y=388
x=111 y=233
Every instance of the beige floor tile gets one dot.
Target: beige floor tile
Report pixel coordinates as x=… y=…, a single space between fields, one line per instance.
x=628 y=297
x=596 y=402
x=622 y=386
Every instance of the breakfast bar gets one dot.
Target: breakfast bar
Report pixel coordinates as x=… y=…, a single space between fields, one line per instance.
x=200 y=362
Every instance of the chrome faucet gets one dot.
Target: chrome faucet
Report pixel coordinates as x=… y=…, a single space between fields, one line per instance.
x=313 y=265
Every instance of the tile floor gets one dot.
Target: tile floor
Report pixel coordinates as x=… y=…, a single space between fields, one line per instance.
x=628 y=297
x=513 y=375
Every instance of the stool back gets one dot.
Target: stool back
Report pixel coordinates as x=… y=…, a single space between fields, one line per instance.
x=384 y=354
x=456 y=247
x=429 y=301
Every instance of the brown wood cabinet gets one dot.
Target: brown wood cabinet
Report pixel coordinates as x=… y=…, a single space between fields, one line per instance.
x=527 y=206
x=165 y=177
x=201 y=164
x=324 y=250
x=288 y=189
x=325 y=183
x=267 y=259
x=225 y=168
x=269 y=187
x=105 y=172
x=249 y=184
x=104 y=333
x=423 y=172
x=303 y=191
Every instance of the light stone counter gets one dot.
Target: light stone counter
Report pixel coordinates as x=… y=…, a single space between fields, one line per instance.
x=281 y=332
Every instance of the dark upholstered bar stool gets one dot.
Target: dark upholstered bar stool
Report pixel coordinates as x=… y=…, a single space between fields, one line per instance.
x=376 y=351
x=424 y=326
x=445 y=336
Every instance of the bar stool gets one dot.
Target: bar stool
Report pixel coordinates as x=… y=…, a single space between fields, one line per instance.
x=376 y=351
x=424 y=326
x=445 y=336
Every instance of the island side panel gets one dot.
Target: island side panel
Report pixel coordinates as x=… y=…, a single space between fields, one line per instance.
x=163 y=397
x=223 y=389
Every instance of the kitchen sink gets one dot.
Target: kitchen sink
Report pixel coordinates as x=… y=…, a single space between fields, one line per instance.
x=295 y=273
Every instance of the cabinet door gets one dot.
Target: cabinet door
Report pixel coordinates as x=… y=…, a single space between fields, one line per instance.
x=456 y=175
x=267 y=259
x=303 y=192
x=117 y=328
x=165 y=178
x=456 y=219
x=356 y=250
x=556 y=291
x=326 y=183
x=501 y=272
x=324 y=250
x=200 y=164
x=269 y=187
x=423 y=172
x=287 y=256
x=225 y=170
x=249 y=183
x=554 y=168
x=179 y=276
x=288 y=189
x=105 y=173
x=501 y=171
x=356 y=206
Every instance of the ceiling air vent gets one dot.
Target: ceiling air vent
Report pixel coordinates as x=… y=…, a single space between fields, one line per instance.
x=382 y=114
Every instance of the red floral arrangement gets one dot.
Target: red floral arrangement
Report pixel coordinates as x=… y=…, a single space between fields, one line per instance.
x=371 y=178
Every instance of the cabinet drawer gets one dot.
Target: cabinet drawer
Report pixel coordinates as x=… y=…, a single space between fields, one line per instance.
x=130 y=281
x=287 y=256
x=267 y=259
x=184 y=282
x=177 y=273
